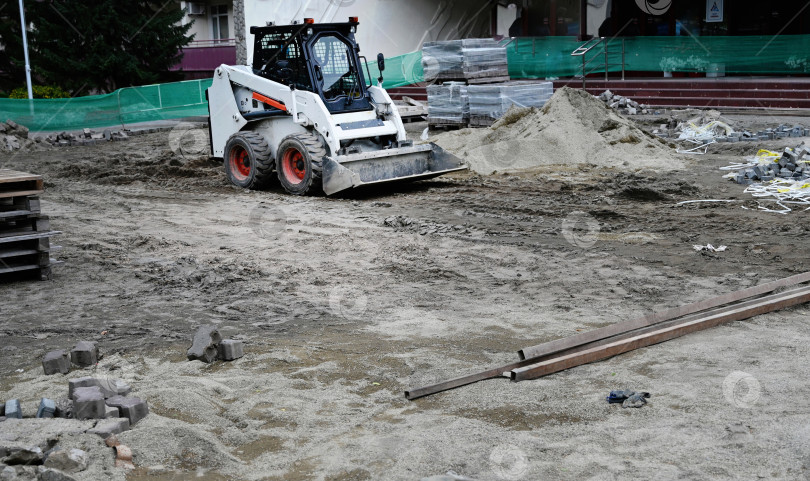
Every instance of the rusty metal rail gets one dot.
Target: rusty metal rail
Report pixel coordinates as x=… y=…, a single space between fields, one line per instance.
x=616 y=339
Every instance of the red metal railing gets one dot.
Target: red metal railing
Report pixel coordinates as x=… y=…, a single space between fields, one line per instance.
x=206 y=55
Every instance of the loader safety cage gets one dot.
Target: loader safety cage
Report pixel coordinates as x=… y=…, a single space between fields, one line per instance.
x=321 y=58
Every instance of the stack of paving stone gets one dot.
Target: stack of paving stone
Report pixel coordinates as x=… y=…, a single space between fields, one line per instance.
x=488 y=103
x=484 y=61
x=25 y=248
x=792 y=165
x=448 y=105
x=475 y=60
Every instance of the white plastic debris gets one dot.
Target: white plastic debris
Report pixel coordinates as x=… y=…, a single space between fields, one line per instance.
x=709 y=248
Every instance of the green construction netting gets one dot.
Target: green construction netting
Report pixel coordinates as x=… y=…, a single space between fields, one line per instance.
x=124 y=106
x=545 y=57
x=529 y=58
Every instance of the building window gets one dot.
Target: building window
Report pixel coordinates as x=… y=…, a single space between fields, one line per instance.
x=219 y=20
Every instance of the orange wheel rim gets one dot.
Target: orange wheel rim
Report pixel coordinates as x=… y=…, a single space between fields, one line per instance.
x=240 y=163
x=293 y=166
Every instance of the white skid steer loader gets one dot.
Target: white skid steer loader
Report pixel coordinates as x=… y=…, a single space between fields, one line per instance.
x=305 y=113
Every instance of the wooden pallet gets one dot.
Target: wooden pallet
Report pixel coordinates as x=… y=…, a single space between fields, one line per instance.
x=433 y=125
x=412 y=113
x=476 y=121
x=25 y=246
x=488 y=80
x=14 y=207
x=19 y=184
x=12 y=227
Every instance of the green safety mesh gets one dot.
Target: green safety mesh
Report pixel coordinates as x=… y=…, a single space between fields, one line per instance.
x=541 y=57
x=545 y=57
x=124 y=106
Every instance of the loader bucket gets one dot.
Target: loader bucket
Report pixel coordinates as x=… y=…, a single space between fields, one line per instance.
x=404 y=163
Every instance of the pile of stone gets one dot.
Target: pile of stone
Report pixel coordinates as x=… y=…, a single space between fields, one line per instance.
x=86 y=137
x=208 y=346
x=793 y=165
x=105 y=400
x=14 y=136
x=624 y=105
x=781 y=132
x=32 y=462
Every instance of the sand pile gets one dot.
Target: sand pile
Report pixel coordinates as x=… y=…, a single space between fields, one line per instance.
x=572 y=128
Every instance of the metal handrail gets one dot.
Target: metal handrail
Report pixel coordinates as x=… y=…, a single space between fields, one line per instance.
x=586 y=47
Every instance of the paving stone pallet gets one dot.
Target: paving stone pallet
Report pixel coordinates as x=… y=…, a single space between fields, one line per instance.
x=25 y=247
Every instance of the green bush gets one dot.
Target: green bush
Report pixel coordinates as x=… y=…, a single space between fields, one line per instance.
x=40 y=92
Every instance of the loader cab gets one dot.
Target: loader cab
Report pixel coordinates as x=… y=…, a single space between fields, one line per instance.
x=320 y=58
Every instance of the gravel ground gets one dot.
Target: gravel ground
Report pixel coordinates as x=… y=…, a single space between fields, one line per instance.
x=346 y=302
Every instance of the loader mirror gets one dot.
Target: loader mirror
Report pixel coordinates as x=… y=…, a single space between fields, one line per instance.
x=380 y=62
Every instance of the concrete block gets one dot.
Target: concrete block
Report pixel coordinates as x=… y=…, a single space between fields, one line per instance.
x=86 y=381
x=88 y=403
x=56 y=362
x=132 y=408
x=47 y=408
x=749 y=173
x=64 y=408
x=109 y=386
x=113 y=387
x=110 y=427
x=112 y=412
x=204 y=345
x=13 y=409
x=230 y=350
x=84 y=354
x=766 y=178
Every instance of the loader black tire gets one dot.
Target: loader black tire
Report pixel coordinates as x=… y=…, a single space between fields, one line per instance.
x=249 y=160
x=301 y=174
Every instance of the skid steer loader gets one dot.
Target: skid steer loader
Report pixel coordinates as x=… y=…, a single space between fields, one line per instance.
x=307 y=112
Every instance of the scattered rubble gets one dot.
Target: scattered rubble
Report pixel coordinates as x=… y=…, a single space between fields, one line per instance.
x=14 y=136
x=84 y=354
x=779 y=177
x=767 y=165
x=208 y=346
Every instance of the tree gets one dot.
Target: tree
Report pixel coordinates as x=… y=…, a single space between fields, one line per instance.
x=12 y=65
x=101 y=45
